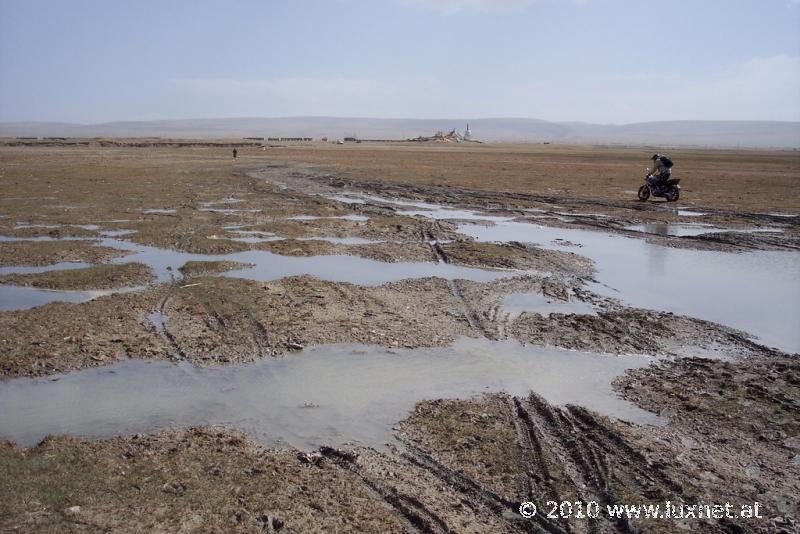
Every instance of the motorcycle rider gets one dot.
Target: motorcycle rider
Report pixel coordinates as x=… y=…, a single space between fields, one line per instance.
x=662 y=168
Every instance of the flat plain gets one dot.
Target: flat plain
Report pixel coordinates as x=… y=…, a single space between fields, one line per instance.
x=120 y=251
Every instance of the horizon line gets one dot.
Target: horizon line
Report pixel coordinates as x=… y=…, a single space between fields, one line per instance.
x=338 y=117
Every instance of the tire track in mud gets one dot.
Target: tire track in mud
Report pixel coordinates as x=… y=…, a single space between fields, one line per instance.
x=476 y=494
x=485 y=201
x=590 y=459
x=469 y=314
x=475 y=323
x=585 y=468
x=165 y=333
x=413 y=513
x=260 y=336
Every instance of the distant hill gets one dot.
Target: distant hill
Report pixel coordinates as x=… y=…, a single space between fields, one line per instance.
x=752 y=134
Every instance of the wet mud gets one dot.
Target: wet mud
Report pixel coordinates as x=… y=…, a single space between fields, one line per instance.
x=217 y=286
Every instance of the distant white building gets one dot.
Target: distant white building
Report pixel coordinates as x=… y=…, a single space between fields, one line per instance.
x=468 y=134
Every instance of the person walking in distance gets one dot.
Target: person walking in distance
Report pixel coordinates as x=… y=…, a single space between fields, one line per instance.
x=235 y=153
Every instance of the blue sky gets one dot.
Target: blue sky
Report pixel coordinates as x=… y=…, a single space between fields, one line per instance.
x=609 y=61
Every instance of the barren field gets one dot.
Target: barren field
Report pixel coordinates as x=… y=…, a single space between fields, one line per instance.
x=395 y=338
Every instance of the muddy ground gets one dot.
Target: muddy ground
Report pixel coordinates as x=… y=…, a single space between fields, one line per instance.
x=731 y=426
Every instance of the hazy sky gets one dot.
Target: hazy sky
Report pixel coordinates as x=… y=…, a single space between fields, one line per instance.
x=610 y=61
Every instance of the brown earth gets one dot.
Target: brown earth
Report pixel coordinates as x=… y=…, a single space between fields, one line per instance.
x=461 y=465
x=225 y=320
x=39 y=253
x=728 y=179
x=96 y=277
x=62 y=337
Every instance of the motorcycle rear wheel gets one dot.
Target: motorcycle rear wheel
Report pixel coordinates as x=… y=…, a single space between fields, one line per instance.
x=644 y=193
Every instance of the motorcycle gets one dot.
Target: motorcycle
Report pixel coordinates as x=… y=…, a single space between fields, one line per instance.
x=655 y=186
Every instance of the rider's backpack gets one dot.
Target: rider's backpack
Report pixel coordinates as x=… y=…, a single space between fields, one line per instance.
x=665 y=161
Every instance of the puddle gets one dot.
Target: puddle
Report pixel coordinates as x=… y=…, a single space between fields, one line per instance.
x=230 y=211
x=268 y=266
x=44 y=238
x=62 y=266
x=356 y=218
x=229 y=200
x=20 y=226
x=24 y=297
x=116 y=233
x=351 y=269
x=589 y=215
x=516 y=303
x=346 y=199
x=680 y=230
x=333 y=394
x=445 y=213
x=341 y=240
x=424 y=209
x=158 y=320
x=556 y=217
x=362 y=198
x=786 y=215
x=758 y=292
x=254 y=239
x=690 y=213
x=758 y=230
x=158 y=210
x=687 y=229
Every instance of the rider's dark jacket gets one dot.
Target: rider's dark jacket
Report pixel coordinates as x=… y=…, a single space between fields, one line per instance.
x=660 y=170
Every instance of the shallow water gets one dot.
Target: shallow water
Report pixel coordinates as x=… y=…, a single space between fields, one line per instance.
x=255 y=239
x=351 y=269
x=267 y=266
x=341 y=240
x=786 y=215
x=346 y=199
x=158 y=210
x=333 y=394
x=62 y=266
x=453 y=215
x=229 y=211
x=116 y=233
x=362 y=198
x=9 y=238
x=690 y=213
x=691 y=229
x=356 y=218
x=27 y=225
x=758 y=292
x=424 y=209
x=24 y=297
x=668 y=229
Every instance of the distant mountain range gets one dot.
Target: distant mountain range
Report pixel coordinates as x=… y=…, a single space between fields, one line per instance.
x=751 y=134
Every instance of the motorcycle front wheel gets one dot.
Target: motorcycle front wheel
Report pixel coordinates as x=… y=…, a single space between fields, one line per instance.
x=644 y=193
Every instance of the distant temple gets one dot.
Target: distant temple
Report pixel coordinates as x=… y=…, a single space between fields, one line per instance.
x=452 y=137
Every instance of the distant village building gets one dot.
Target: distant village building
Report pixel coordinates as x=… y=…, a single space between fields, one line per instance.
x=453 y=136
